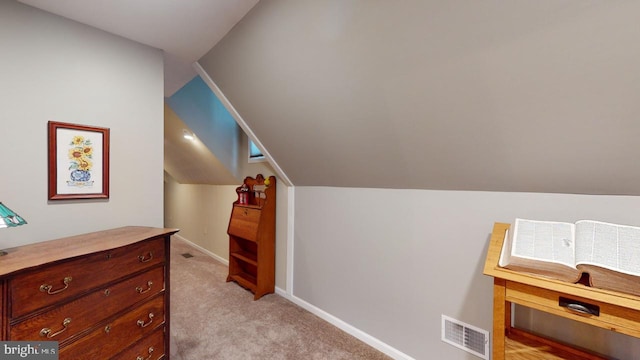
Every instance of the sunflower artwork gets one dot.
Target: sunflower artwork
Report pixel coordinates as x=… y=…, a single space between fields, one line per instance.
x=80 y=162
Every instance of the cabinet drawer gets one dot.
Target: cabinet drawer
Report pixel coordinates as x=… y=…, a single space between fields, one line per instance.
x=56 y=283
x=149 y=348
x=106 y=341
x=244 y=222
x=611 y=317
x=76 y=316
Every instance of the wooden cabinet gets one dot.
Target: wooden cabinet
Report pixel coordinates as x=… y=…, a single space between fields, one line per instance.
x=101 y=295
x=252 y=233
x=619 y=312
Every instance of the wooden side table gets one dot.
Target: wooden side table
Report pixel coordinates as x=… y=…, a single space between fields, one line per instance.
x=610 y=310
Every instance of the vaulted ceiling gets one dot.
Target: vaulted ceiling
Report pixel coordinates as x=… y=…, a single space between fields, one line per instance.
x=532 y=96
x=524 y=96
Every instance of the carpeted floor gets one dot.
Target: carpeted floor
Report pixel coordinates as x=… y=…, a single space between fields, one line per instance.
x=213 y=319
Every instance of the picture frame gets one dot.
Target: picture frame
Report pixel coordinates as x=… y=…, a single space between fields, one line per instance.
x=78 y=161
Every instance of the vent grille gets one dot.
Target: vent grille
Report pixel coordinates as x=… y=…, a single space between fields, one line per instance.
x=466 y=337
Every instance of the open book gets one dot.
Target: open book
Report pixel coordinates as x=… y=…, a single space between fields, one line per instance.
x=609 y=253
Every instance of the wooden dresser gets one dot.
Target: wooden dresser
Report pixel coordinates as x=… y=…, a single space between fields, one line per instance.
x=103 y=295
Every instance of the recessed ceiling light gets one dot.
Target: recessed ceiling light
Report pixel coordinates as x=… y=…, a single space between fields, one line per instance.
x=188 y=135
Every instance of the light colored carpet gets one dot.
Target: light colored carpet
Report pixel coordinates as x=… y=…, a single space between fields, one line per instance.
x=213 y=319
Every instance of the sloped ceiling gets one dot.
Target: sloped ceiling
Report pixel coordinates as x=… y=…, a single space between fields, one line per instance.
x=190 y=161
x=533 y=96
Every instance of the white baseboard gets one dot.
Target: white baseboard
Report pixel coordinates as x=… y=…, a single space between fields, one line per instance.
x=282 y=293
x=349 y=329
x=216 y=257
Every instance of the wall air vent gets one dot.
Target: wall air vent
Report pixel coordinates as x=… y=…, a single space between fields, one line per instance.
x=466 y=337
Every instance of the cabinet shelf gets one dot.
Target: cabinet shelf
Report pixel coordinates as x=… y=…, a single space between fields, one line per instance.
x=251 y=232
x=246 y=257
x=245 y=280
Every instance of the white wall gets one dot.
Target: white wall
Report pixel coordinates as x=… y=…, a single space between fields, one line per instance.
x=55 y=69
x=201 y=212
x=390 y=262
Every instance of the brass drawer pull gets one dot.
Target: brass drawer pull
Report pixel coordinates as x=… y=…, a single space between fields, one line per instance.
x=107 y=329
x=144 y=259
x=142 y=291
x=47 y=288
x=47 y=332
x=142 y=324
x=148 y=357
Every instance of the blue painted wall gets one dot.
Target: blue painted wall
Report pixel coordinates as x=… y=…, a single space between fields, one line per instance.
x=205 y=115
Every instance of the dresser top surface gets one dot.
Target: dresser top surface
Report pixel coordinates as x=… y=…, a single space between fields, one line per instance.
x=32 y=255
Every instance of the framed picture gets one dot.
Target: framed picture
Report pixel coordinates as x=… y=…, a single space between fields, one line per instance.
x=78 y=161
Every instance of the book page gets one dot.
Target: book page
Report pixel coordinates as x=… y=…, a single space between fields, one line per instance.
x=544 y=240
x=505 y=253
x=612 y=246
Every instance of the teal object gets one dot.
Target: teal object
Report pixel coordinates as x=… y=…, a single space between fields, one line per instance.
x=8 y=218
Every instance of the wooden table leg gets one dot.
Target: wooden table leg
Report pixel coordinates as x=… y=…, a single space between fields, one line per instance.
x=501 y=314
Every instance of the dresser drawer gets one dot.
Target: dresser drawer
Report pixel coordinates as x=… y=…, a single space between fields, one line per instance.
x=149 y=348
x=56 y=283
x=244 y=222
x=105 y=342
x=76 y=316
